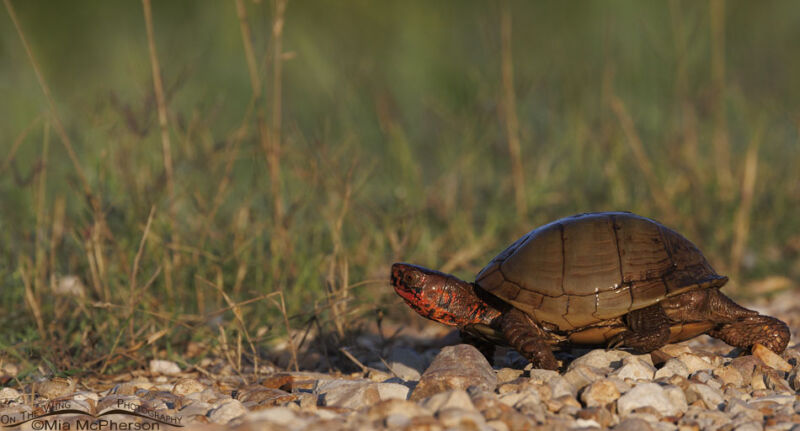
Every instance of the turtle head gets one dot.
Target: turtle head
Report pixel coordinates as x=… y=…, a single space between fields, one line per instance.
x=440 y=297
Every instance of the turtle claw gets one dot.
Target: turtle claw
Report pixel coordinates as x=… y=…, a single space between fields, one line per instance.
x=618 y=340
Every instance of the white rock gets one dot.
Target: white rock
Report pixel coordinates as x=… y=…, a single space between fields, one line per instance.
x=513 y=399
x=770 y=358
x=558 y=385
x=673 y=367
x=457 y=418
x=456 y=398
x=694 y=363
x=583 y=375
x=780 y=399
x=196 y=408
x=404 y=371
x=227 y=411
x=8 y=395
x=601 y=358
x=676 y=397
x=600 y=393
x=497 y=425
x=635 y=369
x=160 y=366
x=587 y=423
x=712 y=398
x=397 y=420
x=187 y=386
x=392 y=391
x=648 y=394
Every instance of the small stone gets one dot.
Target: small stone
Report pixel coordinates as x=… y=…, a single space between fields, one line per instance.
x=694 y=363
x=351 y=394
x=729 y=375
x=456 y=367
x=648 y=394
x=794 y=378
x=454 y=417
x=160 y=366
x=55 y=387
x=392 y=391
x=261 y=396
x=227 y=411
x=384 y=409
x=600 y=393
x=635 y=369
x=403 y=371
x=770 y=358
x=633 y=424
x=747 y=365
x=672 y=367
x=558 y=385
x=712 y=398
x=397 y=420
x=9 y=395
x=497 y=425
x=512 y=399
x=676 y=397
x=599 y=415
x=187 y=386
x=505 y=375
x=583 y=375
x=774 y=381
x=196 y=408
x=738 y=408
x=784 y=400
x=749 y=426
x=457 y=398
x=601 y=358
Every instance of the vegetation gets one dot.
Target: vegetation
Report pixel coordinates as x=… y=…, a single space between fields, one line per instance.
x=217 y=173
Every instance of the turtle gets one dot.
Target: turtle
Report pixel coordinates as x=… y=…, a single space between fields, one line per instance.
x=613 y=279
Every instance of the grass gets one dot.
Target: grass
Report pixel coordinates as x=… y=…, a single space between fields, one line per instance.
x=221 y=174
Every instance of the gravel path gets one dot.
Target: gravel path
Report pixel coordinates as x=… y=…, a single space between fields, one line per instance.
x=701 y=384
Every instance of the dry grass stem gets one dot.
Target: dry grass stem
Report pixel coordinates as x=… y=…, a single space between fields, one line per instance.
x=161 y=104
x=352 y=358
x=17 y=142
x=30 y=297
x=722 y=152
x=741 y=226
x=510 y=112
x=660 y=196
x=87 y=189
x=133 y=294
x=252 y=68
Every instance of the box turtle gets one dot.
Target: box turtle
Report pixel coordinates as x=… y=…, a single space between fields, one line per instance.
x=610 y=278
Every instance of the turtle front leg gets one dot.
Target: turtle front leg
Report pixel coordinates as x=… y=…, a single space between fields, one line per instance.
x=527 y=338
x=748 y=327
x=648 y=329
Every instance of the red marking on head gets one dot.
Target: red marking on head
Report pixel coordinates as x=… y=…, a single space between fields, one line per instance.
x=440 y=297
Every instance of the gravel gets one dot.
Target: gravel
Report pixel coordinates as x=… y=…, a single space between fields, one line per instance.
x=701 y=384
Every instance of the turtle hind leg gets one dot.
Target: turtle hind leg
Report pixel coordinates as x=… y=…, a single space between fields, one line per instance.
x=743 y=328
x=648 y=329
x=527 y=338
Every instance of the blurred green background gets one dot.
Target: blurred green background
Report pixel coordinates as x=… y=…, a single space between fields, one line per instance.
x=377 y=132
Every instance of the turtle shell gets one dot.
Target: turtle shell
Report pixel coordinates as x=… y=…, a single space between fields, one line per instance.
x=589 y=268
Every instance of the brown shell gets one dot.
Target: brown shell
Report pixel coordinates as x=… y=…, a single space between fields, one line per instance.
x=588 y=268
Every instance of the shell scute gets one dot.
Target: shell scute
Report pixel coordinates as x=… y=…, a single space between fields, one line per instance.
x=588 y=268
